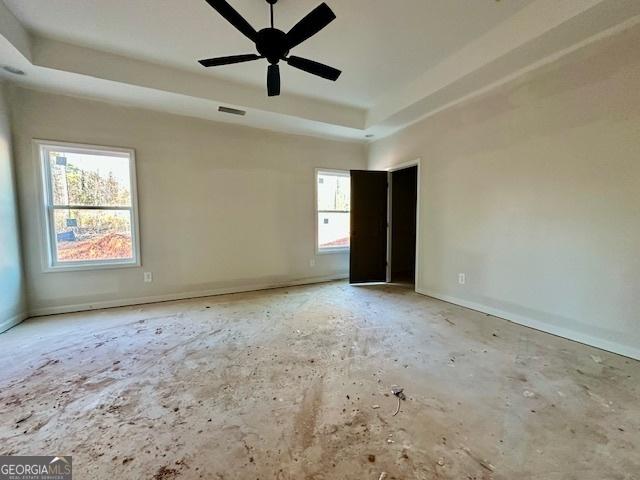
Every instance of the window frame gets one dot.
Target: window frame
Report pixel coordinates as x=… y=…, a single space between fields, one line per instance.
x=50 y=262
x=327 y=250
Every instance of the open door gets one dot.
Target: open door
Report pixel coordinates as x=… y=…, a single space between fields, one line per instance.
x=402 y=234
x=368 y=259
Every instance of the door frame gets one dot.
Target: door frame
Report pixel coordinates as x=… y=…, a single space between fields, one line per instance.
x=412 y=163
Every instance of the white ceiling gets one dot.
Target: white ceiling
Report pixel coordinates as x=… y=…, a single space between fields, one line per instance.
x=379 y=44
x=402 y=59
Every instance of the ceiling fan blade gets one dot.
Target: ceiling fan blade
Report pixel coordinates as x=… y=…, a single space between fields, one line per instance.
x=315 y=21
x=234 y=18
x=273 y=80
x=216 y=62
x=315 y=68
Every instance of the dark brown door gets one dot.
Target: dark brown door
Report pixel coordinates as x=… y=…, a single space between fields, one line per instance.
x=404 y=202
x=368 y=259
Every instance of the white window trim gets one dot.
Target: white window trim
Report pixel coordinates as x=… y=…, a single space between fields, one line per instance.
x=49 y=263
x=326 y=250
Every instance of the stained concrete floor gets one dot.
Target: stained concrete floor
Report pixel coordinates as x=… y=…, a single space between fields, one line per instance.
x=294 y=384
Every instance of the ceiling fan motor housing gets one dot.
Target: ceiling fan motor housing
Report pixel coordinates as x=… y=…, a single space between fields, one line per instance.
x=271 y=43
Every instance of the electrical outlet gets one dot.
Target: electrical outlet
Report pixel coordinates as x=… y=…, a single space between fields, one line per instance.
x=312 y=262
x=148 y=277
x=462 y=278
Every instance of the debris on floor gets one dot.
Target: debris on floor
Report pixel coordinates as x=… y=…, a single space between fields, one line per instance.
x=483 y=463
x=25 y=418
x=399 y=393
x=166 y=473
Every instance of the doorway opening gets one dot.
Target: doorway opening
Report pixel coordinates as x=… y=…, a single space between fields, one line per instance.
x=385 y=225
x=403 y=206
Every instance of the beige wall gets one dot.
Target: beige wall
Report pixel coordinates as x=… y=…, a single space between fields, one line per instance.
x=533 y=191
x=221 y=207
x=12 y=288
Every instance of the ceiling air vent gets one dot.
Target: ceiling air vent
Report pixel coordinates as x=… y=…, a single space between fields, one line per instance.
x=14 y=70
x=232 y=111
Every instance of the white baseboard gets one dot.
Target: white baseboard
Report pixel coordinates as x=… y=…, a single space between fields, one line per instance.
x=39 y=312
x=569 y=334
x=13 y=321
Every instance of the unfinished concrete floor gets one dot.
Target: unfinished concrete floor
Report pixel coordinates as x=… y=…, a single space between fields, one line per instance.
x=294 y=384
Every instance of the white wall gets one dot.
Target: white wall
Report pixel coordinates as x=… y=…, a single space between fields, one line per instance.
x=12 y=294
x=533 y=190
x=222 y=207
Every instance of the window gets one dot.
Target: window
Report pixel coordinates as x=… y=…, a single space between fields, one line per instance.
x=333 y=205
x=90 y=204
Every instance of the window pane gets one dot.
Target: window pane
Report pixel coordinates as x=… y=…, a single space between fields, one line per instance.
x=84 y=235
x=85 y=179
x=333 y=230
x=334 y=192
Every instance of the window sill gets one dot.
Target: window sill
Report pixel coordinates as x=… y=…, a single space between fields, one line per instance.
x=329 y=251
x=93 y=266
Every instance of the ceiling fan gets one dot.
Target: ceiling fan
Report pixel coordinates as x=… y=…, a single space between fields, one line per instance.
x=274 y=44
